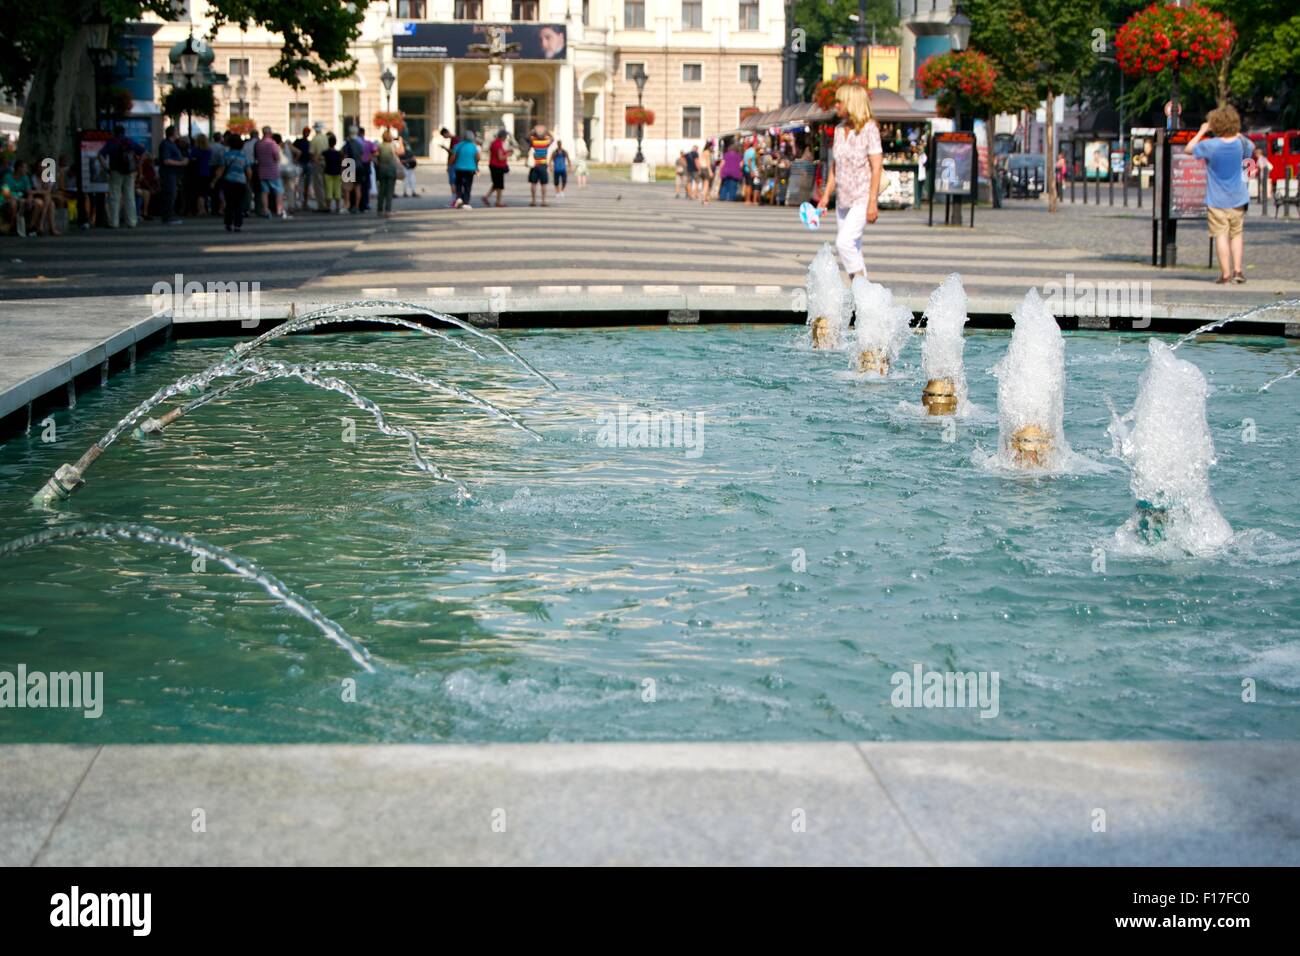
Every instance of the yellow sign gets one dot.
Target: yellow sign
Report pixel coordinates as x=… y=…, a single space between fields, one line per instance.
x=881 y=66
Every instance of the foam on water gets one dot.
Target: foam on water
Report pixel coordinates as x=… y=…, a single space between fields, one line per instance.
x=827 y=294
x=1165 y=440
x=882 y=327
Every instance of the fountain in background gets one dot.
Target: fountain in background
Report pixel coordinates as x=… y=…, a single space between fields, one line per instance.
x=942 y=349
x=882 y=327
x=830 y=304
x=489 y=109
x=1165 y=440
x=240 y=566
x=1031 y=389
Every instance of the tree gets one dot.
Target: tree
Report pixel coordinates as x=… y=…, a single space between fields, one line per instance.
x=1041 y=49
x=827 y=21
x=47 y=46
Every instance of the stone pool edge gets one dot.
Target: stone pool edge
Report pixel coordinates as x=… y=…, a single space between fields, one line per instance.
x=1213 y=803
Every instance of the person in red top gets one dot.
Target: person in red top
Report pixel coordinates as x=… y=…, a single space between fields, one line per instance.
x=498 y=166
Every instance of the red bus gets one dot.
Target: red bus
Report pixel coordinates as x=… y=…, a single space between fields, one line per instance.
x=1282 y=149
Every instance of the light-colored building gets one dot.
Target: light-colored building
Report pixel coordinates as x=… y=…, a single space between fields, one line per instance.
x=574 y=63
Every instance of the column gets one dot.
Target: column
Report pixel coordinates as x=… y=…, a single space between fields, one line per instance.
x=448 y=111
x=507 y=94
x=564 y=106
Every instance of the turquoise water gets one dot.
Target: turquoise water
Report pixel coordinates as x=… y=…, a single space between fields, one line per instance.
x=579 y=573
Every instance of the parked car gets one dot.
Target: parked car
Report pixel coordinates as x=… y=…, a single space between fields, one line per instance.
x=1024 y=175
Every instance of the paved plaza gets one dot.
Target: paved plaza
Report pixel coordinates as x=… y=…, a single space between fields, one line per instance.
x=617 y=234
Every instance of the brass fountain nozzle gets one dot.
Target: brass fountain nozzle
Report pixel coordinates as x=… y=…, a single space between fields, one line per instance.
x=1031 y=446
x=939 y=396
x=822 y=334
x=65 y=480
x=877 y=362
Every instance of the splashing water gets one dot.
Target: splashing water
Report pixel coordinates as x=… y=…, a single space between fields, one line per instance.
x=944 y=342
x=1236 y=317
x=328 y=314
x=882 y=327
x=1281 y=378
x=1031 y=389
x=828 y=297
x=1165 y=440
x=241 y=566
x=259 y=372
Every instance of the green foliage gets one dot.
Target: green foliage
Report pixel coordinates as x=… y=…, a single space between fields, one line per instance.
x=193 y=100
x=1035 y=45
x=827 y=21
x=316 y=33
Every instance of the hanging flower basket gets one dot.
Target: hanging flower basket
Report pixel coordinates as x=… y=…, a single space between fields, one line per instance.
x=967 y=76
x=116 y=101
x=1163 y=36
x=640 y=116
x=390 y=119
x=824 y=92
x=241 y=126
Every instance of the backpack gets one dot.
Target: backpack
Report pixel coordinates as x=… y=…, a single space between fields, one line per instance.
x=122 y=160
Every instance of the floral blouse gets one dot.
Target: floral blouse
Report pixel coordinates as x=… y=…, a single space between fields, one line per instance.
x=852 y=168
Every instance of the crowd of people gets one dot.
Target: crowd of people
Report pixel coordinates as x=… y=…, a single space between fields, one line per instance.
x=754 y=171
x=547 y=160
x=263 y=174
x=270 y=176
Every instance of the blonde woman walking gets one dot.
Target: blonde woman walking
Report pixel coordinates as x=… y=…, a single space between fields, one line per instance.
x=856 y=161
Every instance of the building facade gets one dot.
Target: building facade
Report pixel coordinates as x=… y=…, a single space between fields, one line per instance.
x=572 y=63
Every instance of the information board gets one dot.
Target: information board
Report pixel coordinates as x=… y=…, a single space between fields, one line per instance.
x=1187 y=183
x=954 y=164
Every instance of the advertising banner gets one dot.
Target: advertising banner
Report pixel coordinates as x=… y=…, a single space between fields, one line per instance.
x=468 y=41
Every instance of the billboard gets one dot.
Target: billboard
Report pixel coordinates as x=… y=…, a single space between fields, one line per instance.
x=453 y=41
x=882 y=64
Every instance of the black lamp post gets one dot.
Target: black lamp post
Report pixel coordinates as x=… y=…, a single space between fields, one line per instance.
x=958 y=39
x=789 y=88
x=754 y=83
x=639 y=78
x=388 y=79
x=860 y=41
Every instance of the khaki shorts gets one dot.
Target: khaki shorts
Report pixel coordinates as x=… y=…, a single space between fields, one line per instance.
x=1226 y=222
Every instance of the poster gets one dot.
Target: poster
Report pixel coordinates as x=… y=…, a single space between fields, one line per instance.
x=1096 y=159
x=1187 y=184
x=93 y=170
x=897 y=188
x=954 y=158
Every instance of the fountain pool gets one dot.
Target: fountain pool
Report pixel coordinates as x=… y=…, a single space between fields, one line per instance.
x=766 y=584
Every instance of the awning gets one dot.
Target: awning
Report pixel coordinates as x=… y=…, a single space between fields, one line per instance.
x=886 y=106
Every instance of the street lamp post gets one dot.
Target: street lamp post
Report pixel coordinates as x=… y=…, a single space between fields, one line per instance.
x=388 y=79
x=755 y=82
x=789 y=88
x=860 y=41
x=639 y=78
x=959 y=39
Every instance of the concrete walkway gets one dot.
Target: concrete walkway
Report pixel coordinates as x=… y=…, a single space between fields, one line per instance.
x=1212 y=803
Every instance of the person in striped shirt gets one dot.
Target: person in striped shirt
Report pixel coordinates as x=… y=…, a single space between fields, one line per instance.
x=539 y=145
